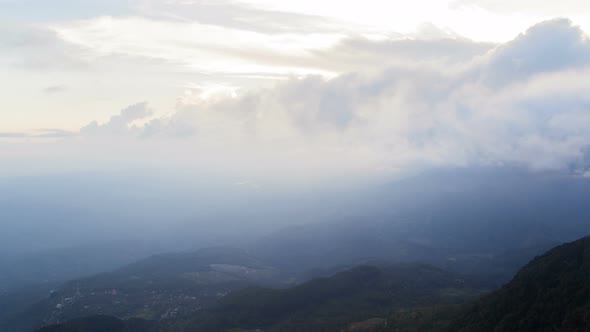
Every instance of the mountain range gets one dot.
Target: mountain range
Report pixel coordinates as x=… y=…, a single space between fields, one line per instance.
x=551 y=293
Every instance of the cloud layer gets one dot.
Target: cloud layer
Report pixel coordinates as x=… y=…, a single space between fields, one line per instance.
x=444 y=102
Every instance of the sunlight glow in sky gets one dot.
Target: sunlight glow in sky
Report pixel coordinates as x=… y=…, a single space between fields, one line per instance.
x=68 y=62
x=320 y=88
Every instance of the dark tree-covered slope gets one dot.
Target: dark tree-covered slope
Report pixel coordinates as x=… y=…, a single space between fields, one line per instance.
x=333 y=303
x=365 y=298
x=162 y=287
x=103 y=324
x=551 y=293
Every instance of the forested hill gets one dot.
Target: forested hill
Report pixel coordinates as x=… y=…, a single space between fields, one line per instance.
x=362 y=296
x=334 y=303
x=551 y=293
x=101 y=323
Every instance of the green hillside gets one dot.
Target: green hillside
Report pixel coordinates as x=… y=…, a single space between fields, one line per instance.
x=163 y=287
x=551 y=293
x=333 y=303
x=103 y=324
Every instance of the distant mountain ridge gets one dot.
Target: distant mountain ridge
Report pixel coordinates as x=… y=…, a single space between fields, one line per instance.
x=364 y=295
x=551 y=293
x=333 y=303
x=481 y=223
x=160 y=287
x=477 y=221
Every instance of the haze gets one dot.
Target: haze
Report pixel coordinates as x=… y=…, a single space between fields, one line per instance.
x=137 y=127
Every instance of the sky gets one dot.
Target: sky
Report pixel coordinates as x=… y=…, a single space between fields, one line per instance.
x=293 y=89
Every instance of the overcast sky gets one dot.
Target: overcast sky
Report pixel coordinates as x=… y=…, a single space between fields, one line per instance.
x=317 y=87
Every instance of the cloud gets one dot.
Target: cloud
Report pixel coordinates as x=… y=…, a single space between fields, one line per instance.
x=360 y=54
x=39 y=133
x=55 y=89
x=38 y=48
x=535 y=118
x=236 y=15
x=193 y=46
x=119 y=124
x=12 y=135
x=467 y=105
x=53 y=133
x=21 y=10
x=550 y=7
x=264 y=45
x=548 y=46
